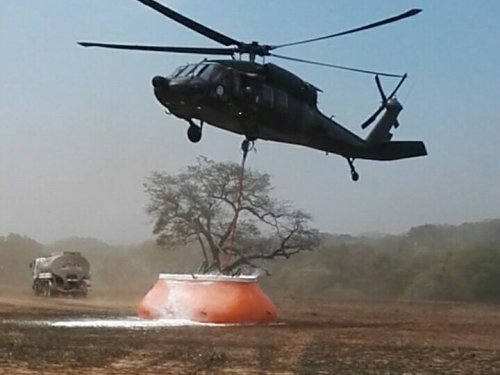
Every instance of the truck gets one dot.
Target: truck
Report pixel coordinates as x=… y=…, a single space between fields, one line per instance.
x=66 y=273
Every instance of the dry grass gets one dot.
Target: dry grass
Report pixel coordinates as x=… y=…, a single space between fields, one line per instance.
x=318 y=337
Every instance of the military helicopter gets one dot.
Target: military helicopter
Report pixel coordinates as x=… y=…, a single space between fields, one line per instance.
x=265 y=101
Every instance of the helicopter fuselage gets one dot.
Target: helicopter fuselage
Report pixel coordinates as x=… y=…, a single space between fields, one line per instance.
x=247 y=101
x=265 y=101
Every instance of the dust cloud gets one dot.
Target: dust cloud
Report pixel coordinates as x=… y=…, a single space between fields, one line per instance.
x=430 y=262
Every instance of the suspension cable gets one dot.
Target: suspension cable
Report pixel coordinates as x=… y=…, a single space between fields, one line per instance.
x=245 y=148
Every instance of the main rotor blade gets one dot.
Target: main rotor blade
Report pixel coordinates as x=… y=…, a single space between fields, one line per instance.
x=194 y=50
x=336 y=66
x=193 y=25
x=402 y=16
x=380 y=89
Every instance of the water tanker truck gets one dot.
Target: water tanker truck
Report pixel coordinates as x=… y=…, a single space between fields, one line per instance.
x=66 y=273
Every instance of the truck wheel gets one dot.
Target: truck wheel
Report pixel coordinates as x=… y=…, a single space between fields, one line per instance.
x=36 y=288
x=48 y=290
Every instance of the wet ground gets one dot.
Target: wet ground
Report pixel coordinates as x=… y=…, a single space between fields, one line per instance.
x=102 y=336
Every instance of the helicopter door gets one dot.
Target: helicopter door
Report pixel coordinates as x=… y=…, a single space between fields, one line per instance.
x=228 y=79
x=281 y=100
x=236 y=79
x=267 y=95
x=222 y=78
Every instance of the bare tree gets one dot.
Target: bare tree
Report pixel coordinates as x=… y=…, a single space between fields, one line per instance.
x=201 y=203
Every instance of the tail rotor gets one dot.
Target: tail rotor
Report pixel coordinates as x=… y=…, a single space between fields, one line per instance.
x=385 y=100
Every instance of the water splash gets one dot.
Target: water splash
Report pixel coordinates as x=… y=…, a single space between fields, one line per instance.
x=131 y=323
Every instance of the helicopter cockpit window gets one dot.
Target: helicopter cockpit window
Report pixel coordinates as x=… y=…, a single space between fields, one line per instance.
x=188 y=71
x=177 y=72
x=198 y=68
x=219 y=75
x=227 y=78
x=206 y=72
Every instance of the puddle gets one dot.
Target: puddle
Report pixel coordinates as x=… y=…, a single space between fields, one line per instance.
x=123 y=323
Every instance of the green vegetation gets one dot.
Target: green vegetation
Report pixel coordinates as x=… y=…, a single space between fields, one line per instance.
x=431 y=262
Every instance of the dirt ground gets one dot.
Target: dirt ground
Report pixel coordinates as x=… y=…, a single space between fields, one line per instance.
x=314 y=337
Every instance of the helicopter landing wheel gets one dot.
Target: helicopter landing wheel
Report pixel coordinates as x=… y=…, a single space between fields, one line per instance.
x=248 y=145
x=194 y=132
x=245 y=145
x=354 y=174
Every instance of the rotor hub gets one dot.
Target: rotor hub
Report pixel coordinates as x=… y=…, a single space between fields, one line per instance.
x=254 y=48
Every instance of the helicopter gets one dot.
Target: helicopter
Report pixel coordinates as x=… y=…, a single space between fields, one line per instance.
x=265 y=101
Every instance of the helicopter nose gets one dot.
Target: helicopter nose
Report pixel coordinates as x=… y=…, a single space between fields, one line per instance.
x=159 y=82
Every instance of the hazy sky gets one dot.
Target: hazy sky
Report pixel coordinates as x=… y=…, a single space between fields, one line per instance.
x=80 y=128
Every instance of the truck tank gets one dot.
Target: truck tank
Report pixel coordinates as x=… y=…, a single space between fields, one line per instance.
x=65 y=273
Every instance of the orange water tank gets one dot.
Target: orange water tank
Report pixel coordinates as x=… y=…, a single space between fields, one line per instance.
x=208 y=298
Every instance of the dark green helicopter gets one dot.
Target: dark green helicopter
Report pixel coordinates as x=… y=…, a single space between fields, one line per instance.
x=265 y=101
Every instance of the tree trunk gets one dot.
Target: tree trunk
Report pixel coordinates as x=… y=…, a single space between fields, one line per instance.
x=215 y=257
